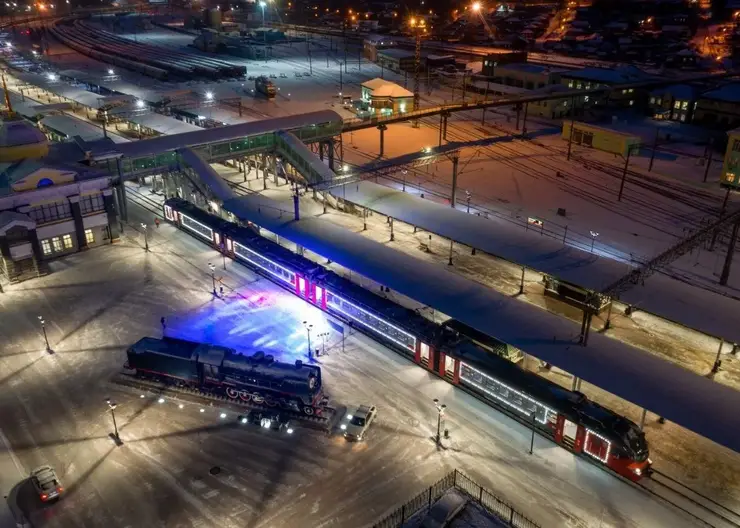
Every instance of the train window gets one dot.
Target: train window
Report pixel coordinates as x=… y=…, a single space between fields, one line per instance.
x=597 y=446
x=371 y=321
x=168 y=212
x=196 y=227
x=501 y=392
x=263 y=263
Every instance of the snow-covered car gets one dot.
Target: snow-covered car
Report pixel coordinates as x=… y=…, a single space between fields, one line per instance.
x=46 y=483
x=356 y=424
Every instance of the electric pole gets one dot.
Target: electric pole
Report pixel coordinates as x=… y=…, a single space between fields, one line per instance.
x=419 y=28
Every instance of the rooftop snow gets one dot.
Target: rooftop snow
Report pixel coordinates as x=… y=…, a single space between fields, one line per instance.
x=198 y=137
x=728 y=92
x=494 y=235
x=620 y=75
x=690 y=400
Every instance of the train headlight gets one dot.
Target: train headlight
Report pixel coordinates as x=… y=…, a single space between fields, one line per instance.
x=290 y=430
x=343 y=427
x=348 y=417
x=638 y=471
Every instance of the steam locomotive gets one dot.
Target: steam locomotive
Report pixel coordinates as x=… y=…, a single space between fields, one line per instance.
x=211 y=368
x=483 y=369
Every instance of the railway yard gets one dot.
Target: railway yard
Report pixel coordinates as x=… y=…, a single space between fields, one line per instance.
x=187 y=459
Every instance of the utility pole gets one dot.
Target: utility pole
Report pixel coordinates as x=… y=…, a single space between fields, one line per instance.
x=418 y=26
x=624 y=172
x=709 y=159
x=730 y=251
x=652 y=151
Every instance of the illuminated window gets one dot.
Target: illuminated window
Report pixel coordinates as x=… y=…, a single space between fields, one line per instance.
x=373 y=322
x=570 y=84
x=677 y=105
x=196 y=227
x=67 y=240
x=685 y=105
x=496 y=390
x=652 y=100
x=254 y=258
x=46 y=247
x=89 y=237
x=597 y=446
x=632 y=102
x=57 y=243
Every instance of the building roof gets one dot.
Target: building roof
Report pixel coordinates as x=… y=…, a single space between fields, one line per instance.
x=619 y=75
x=396 y=53
x=382 y=88
x=8 y=218
x=528 y=67
x=391 y=90
x=678 y=91
x=729 y=93
x=683 y=397
x=372 y=84
x=18 y=133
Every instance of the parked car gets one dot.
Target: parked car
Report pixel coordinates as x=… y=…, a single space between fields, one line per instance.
x=46 y=483
x=356 y=424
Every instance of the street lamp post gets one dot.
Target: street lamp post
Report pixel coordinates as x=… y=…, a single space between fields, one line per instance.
x=323 y=337
x=309 y=327
x=146 y=237
x=213 y=276
x=112 y=407
x=440 y=411
x=264 y=33
x=467 y=198
x=46 y=339
x=594 y=234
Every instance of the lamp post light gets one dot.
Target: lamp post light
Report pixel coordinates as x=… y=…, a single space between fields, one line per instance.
x=46 y=338
x=146 y=237
x=440 y=411
x=323 y=336
x=213 y=276
x=112 y=408
x=594 y=234
x=309 y=327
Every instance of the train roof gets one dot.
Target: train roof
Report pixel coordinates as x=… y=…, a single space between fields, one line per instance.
x=176 y=348
x=401 y=316
x=264 y=367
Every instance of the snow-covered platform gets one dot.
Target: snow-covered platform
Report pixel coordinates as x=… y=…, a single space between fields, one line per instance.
x=493 y=235
x=687 y=399
x=672 y=299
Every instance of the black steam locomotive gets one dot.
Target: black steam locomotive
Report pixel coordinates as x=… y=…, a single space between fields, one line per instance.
x=211 y=368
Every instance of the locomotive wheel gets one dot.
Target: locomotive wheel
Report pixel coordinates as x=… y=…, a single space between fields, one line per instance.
x=245 y=396
x=258 y=399
x=232 y=393
x=308 y=410
x=270 y=402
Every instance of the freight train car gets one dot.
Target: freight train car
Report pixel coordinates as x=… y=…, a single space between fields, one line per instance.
x=568 y=418
x=257 y=378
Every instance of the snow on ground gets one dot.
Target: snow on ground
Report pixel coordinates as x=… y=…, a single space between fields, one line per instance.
x=673 y=448
x=54 y=413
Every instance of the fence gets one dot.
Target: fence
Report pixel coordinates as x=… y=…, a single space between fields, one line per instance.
x=461 y=482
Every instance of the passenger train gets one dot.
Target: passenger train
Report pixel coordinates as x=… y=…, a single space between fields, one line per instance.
x=568 y=418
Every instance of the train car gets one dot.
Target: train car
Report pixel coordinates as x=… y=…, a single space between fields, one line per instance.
x=265 y=86
x=485 y=341
x=569 y=418
x=211 y=368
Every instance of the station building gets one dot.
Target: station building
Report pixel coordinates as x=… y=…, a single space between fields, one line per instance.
x=731 y=168
x=385 y=97
x=48 y=209
x=600 y=138
x=720 y=108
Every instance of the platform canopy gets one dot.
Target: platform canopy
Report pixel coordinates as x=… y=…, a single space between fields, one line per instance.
x=690 y=400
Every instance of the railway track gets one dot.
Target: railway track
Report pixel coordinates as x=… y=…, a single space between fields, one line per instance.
x=699 y=506
x=185 y=394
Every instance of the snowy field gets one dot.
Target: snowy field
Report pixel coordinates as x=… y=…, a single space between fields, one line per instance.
x=97 y=303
